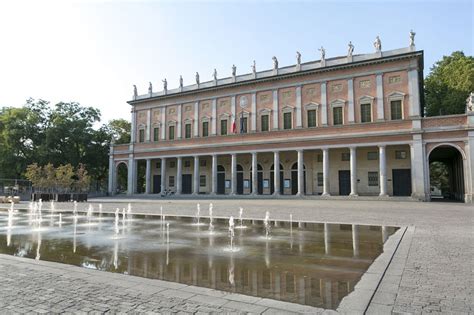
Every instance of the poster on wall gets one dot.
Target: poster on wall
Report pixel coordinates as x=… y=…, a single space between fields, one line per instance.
x=227 y=184
x=266 y=183
x=286 y=183
x=246 y=183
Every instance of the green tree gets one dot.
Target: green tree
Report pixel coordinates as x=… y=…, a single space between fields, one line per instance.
x=448 y=85
x=120 y=130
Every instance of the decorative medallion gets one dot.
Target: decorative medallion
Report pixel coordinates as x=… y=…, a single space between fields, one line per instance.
x=286 y=94
x=141 y=115
x=188 y=108
x=364 y=84
x=156 y=113
x=205 y=105
x=264 y=98
x=244 y=101
x=336 y=88
x=172 y=111
x=311 y=91
x=394 y=79
x=223 y=103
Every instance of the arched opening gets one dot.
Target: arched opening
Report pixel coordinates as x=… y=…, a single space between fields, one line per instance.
x=259 y=179
x=141 y=174
x=272 y=179
x=446 y=173
x=121 y=182
x=240 y=180
x=220 y=179
x=294 y=179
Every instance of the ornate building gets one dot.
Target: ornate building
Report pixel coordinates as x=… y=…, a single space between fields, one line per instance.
x=350 y=125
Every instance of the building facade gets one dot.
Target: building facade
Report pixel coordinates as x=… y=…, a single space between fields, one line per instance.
x=345 y=126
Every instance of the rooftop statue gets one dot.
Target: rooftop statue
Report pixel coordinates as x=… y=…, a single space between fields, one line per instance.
x=275 y=63
x=323 y=53
x=197 y=78
x=234 y=70
x=378 y=44
x=150 y=88
x=254 y=67
x=215 y=74
x=135 y=93
x=412 y=38
x=298 y=58
x=165 y=85
x=350 y=49
x=181 y=81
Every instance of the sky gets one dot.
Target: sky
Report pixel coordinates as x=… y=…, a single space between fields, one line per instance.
x=92 y=52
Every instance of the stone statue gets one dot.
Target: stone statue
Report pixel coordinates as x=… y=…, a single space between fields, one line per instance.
x=181 y=81
x=470 y=103
x=275 y=63
x=197 y=78
x=323 y=53
x=254 y=68
x=135 y=93
x=150 y=88
x=412 y=38
x=215 y=74
x=298 y=58
x=165 y=85
x=350 y=49
x=234 y=70
x=378 y=44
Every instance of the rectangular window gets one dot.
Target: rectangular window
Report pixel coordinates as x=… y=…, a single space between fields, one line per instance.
x=286 y=120
x=320 y=179
x=365 y=113
x=156 y=134
x=202 y=163
x=345 y=156
x=223 y=127
x=396 y=110
x=243 y=124
x=202 y=180
x=187 y=131
x=264 y=122
x=400 y=155
x=373 y=178
x=337 y=115
x=172 y=164
x=372 y=155
x=158 y=164
x=171 y=181
x=141 y=135
x=171 y=132
x=311 y=118
x=205 y=129
x=187 y=163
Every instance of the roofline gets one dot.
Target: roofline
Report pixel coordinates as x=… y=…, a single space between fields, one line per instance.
x=376 y=60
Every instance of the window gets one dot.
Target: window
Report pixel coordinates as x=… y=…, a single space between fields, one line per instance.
x=345 y=156
x=372 y=156
x=320 y=158
x=187 y=131
x=396 y=110
x=337 y=115
x=264 y=121
x=171 y=132
x=171 y=181
x=365 y=113
x=400 y=155
x=187 y=163
x=156 y=134
x=202 y=181
x=205 y=129
x=172 y=164
x=158 y=164
x=223 y=127
x=320 y=179
x=312 y=118
x=141 y=135
x=243 y=124
x=373 y=178
x=202 y=163
x=286 y=120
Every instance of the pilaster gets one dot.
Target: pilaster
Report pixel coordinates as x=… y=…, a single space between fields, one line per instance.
x=324 y=106
x=350 y=98
x=275 y=110
x=380 y=103
x=298 y=107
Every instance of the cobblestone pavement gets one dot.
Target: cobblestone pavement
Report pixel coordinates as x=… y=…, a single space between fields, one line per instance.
x=431 y=272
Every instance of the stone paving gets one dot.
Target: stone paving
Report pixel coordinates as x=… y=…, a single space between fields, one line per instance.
x=431 y=272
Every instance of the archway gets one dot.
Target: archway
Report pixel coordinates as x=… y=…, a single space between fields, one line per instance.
x=121 y=178
x=294 y=179
x=446 y=173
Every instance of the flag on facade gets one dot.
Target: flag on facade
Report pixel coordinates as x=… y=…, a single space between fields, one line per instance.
x=234 y=129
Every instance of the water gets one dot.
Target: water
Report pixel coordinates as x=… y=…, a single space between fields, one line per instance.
x=323 y=266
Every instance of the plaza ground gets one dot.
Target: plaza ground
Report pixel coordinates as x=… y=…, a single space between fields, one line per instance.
x=431 y=271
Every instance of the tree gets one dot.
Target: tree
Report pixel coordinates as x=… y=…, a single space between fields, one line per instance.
x=120 y=130
x=448 y=85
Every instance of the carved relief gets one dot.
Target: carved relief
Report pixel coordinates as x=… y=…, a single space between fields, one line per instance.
x=188 y=108
x=223 y=103
x=394 y=79
x=205 y=105
x=336 y=88
x=365 y=84
x=286 y=94
x=311 y=91
x=156 y=113
x=172 y=111
x=264 y=98
x=141 y=115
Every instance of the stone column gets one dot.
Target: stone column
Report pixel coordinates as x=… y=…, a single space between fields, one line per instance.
x=298 y=108
x=133 y=129
x=179 y=175
x=417 y=155
x=214 y=174
x=353 y=171
x=196 y=176
x=276 y=170
x=326 y=172
x=300 y=173
x=324 y=110
x=380 y=106
x=130 y=175
x=233 y=171
x=163 y=175
x=254 y=174
x=382 y=171
x=111 y=188
x=148 y=177
x=355 y=240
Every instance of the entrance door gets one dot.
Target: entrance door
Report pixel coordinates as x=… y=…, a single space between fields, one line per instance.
x=156 y=184
x=240 y=183
x=187 y=182
x=221 y=183
x=344 y=183
x=401 y=179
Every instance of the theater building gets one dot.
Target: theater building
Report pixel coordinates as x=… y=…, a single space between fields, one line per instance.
x=345 y=126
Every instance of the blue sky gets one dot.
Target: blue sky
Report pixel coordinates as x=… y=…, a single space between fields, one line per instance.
x=94 y=51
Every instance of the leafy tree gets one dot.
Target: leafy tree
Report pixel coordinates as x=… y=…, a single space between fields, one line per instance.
x=64 y=177
x=448 y=85
x=120 y=130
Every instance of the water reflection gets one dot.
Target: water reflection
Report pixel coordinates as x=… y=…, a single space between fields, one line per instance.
x=308 y=263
